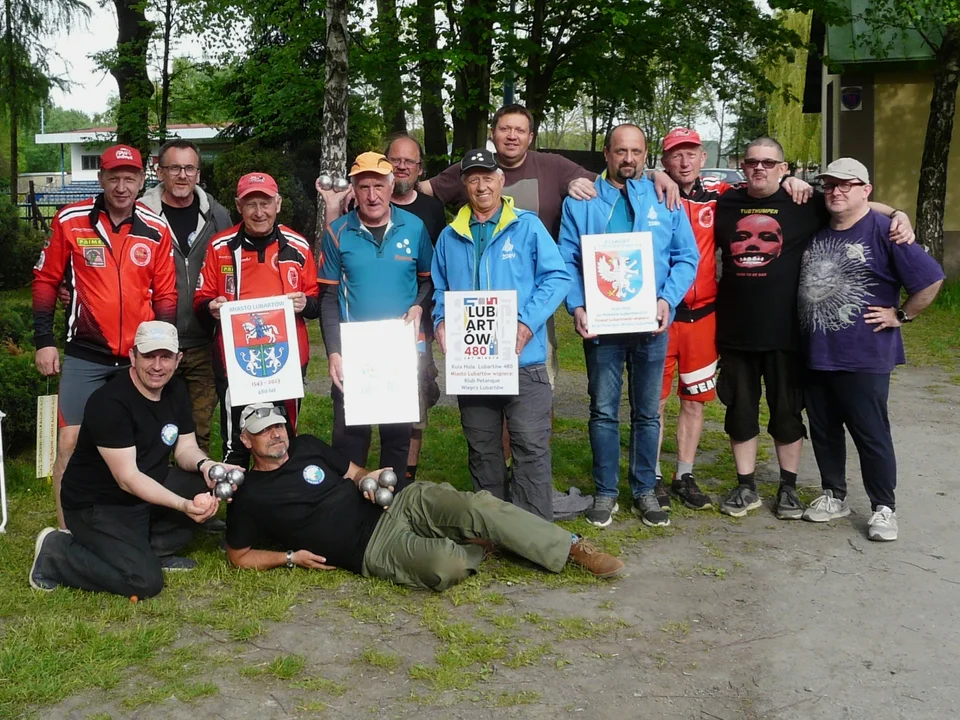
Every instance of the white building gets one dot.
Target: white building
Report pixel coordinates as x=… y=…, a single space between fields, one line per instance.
x=84 y=146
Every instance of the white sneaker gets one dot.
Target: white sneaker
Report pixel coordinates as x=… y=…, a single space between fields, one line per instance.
x=826 y=508
x=882 y=525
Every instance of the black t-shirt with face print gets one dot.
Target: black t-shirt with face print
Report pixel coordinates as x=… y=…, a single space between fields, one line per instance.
x=761 y=241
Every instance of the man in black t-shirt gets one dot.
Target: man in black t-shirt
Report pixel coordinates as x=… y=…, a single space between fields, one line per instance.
x=303 y=498
x=120 y=497
x=762 y=235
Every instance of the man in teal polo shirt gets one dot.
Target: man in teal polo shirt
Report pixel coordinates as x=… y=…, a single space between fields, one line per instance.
x=374 y=265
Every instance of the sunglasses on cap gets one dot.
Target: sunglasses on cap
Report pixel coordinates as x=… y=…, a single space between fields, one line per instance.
x=250 y=414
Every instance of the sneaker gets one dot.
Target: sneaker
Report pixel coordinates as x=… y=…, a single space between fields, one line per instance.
x=789 y=505
x=175 y=563
x=740 y=501
x=597 y=563
x=826 y=508
x=38 y=581
x=648 y=507
x=663 y=497
x=883 y=525
x=685 y=488
x=601 y=514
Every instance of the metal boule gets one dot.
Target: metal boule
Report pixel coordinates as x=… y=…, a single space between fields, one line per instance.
x=368 y=485
x=217 y=473
x=383 y=497
x=236 y=477
x=340 y=184
x=223 y=490
x=388 y=478
x=326 y=182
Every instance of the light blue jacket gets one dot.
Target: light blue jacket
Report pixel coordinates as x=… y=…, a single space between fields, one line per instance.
x=674 y=246
x=520 y=256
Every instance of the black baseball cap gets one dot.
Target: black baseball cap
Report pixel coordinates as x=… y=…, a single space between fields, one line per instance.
x=479 y=159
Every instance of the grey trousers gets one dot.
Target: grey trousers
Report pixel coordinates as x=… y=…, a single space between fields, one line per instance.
x=419 y=540
x=528 y=420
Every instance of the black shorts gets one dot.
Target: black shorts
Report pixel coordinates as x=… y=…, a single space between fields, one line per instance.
x=738 y=387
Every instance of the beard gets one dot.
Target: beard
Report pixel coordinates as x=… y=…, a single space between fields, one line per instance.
x=626 y=172
x=402 y=187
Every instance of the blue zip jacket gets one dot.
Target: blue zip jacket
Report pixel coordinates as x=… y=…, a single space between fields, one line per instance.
x=674 y=246
x=521 y=256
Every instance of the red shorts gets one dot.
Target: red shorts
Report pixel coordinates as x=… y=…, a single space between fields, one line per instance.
x=692 y=346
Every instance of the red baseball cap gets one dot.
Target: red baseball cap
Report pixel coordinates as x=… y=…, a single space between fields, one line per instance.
x=120 y=156
x=257 y=183
x=681 y=136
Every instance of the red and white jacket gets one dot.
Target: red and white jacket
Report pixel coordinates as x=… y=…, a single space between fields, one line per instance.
x=700 y=204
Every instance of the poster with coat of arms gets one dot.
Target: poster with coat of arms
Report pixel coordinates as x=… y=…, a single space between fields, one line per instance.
x=261 y=350
x=619 y=282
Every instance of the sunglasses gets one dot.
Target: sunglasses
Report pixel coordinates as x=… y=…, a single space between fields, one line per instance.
x=766 y=162
x=842 y=187
x=250 y=414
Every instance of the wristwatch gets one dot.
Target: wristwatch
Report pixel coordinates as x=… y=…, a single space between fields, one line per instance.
x=902 y=316
x=289 y=558
x=200 y=464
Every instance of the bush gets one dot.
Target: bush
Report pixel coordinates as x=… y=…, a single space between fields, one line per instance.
x=20 y=385
x=20 y=247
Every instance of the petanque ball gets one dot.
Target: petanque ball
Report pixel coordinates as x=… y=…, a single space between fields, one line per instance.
x=340 y=184
x=217 y=473
x=384 y=497
x=388 y=478
x=326 y=182
x=223 y=490
x=368 y=485
x=235 y=477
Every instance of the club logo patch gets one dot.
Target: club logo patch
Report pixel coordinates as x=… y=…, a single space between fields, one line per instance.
x=262 y=347
x=293 y=277
x=230 y=285
x=95 y=257
x=618 y=274
x=140 y=254
x=169 y=434
x=313 y=474
x=706 y=217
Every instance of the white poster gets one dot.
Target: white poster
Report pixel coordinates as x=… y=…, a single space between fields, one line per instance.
x=261 y=350
x=481 y=337
x=619 y=283
x=380 y=375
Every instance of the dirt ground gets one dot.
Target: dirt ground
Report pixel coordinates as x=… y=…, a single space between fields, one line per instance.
x=717 y=620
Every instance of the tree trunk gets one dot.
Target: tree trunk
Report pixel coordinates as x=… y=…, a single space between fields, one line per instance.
x=471 y=103
x=431 y=89
x=12 y=103
x=130 y=72
x=333 y=144
x=391 y=72
x=537 y=86
x=723 y=108
x=931 y=194
x=165 y=73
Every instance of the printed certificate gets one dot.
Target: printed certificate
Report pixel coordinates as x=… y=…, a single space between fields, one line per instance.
x=481 y=337
x=380 y=374
x=619 y=283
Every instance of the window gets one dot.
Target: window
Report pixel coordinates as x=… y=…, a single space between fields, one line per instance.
x=90 y=162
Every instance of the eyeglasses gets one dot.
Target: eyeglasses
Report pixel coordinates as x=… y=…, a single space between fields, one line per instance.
x=767 y=163
x=188 y=170
x=402 y=162
x=843 y=187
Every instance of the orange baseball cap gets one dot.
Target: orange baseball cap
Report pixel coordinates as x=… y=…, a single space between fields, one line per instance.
x=371 y=162
x=257 y=183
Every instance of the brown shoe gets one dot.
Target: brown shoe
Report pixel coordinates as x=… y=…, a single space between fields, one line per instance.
x=490 y=548
x=599 y=564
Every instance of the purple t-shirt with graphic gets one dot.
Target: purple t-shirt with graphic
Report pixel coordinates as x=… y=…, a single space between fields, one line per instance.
x=843 y=272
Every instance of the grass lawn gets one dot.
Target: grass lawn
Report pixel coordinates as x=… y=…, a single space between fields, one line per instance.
x=54 y=646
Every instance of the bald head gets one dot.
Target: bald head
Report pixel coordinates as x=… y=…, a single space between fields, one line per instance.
x=625 y=150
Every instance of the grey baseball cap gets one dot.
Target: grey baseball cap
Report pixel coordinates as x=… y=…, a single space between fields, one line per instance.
x=846 y=169
x=257 y=417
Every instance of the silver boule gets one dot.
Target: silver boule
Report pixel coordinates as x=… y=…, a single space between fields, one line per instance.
x=384 y=497
x=340 y=184
x=326 y=182
x=217 y=473
x=223 y=490
x=368 y=485
x=236 y=477
x=388 y=478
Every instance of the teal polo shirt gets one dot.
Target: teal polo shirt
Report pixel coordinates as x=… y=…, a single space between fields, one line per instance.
x=482 y=233
x=622 y=215
x=376 y=281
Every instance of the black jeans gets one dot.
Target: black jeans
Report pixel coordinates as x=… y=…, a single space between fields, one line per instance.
x=857 y=401
x=354 y=441
x=117 y=548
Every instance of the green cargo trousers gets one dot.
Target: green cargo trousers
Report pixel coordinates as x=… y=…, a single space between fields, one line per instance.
x=418 y=540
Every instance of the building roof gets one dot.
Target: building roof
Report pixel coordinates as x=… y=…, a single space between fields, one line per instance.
x=857 y=42
x=109 y=134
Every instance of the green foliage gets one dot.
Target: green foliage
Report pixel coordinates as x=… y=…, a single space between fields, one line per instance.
x=20 y=384
x=20 y=245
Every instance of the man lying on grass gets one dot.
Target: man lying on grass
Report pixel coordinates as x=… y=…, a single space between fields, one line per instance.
x=304 y=495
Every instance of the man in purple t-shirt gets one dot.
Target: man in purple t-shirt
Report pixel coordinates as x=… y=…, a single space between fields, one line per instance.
x=850 y=319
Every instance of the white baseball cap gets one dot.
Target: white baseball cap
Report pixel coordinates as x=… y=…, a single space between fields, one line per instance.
x=155 y=335
x=846 y=169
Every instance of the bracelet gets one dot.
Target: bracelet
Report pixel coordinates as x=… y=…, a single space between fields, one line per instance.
x=200 y=464
x=894 y=212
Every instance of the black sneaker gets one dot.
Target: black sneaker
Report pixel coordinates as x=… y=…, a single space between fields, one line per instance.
x=685 y=488
x=789 y=506
x=175 y=563
x=663 y=497
x=648 y=508
x=39 y=581
x=739 y=501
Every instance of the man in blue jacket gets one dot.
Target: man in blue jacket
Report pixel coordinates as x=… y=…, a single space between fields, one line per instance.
x=627 y=202
x=493 y=246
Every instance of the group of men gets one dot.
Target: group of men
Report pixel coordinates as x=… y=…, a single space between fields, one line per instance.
x=806 y=305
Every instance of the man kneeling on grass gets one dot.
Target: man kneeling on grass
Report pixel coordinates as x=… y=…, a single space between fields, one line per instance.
x=304 y=494
x=127 y=511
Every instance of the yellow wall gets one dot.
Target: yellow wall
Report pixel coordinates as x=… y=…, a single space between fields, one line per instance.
x=901 y=111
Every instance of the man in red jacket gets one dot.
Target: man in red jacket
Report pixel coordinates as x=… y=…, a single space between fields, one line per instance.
x=115 y=258
x=257 y=258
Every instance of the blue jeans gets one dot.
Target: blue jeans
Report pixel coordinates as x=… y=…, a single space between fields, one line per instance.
x=643 y=354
